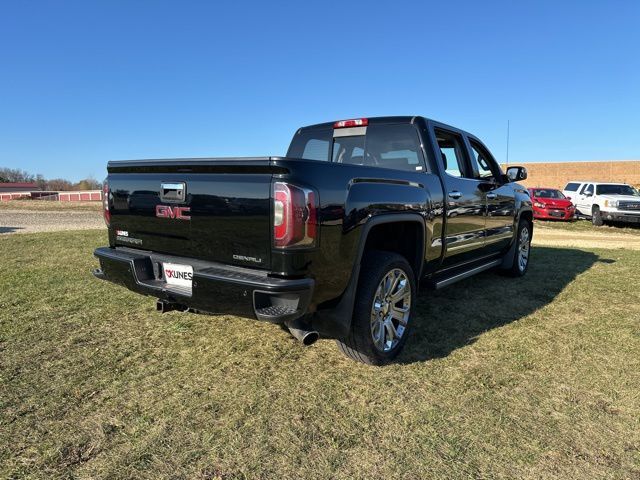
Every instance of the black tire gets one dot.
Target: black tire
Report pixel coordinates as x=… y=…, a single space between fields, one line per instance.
x=596 y=216
x=359 y=344
x=517 y=269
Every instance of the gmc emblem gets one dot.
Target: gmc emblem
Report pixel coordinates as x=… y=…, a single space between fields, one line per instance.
x=179 y=213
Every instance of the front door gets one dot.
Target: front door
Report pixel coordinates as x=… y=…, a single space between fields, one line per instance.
x=464 y=199
x=585 y=199
x=501 y=200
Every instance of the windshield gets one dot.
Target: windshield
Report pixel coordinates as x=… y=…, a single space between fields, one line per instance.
x=616 y=190
x=548 y=193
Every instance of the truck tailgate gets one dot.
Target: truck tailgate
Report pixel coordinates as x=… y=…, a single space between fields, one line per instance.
x=222 y=214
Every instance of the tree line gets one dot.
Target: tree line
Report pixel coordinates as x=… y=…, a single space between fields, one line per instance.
x=17 y=175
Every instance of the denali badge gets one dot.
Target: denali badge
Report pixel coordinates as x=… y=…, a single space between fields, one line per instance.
x=179 y=213
x=247 y=259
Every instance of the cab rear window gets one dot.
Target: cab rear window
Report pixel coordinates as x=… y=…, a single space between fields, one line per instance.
x=312 y=144
x=386 y=146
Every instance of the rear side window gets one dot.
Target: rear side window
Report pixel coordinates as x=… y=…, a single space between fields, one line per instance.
x=311 y=144
x=394 y=146
x=452 y=153
x=572 y=187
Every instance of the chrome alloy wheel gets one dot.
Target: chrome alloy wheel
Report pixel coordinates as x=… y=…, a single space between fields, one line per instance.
x=523 y=248
x=390 y=310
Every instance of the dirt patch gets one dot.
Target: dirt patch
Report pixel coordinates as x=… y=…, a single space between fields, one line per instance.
x=585 y=239
x=31 y=221
x=46 y=206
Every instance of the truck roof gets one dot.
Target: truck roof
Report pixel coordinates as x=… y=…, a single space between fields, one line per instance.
x=372 y=121
x=597 y=183
x=380 y=120
x=391 y=119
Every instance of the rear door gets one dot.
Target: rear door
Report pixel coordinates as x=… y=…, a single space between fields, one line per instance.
x=500 y=197
x=465 y=201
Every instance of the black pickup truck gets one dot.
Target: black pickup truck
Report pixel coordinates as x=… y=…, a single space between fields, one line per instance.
x=330 y=240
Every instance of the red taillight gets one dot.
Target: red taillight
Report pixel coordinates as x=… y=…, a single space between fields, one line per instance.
x=355 y=122
x=105 y=203
x=295 y=217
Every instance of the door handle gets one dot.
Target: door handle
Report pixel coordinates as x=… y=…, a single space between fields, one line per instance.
x=491 y=196
x=455 y=194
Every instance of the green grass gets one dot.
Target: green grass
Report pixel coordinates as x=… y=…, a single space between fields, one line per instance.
x=502 y=378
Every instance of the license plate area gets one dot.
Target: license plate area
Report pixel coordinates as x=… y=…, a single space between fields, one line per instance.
x=178 y=275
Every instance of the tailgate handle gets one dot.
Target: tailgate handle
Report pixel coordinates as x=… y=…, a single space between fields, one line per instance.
x=173 y=192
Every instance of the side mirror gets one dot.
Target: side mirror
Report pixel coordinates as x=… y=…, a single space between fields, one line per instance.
x=515 y=174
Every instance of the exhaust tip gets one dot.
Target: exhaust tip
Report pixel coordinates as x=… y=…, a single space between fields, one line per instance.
x=310 y=338
x=302 y=332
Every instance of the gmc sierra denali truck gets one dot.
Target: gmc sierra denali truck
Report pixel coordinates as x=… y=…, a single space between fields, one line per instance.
x=330 y=240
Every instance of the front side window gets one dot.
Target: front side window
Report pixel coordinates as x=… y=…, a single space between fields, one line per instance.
x=483 y=162
x=588 y=190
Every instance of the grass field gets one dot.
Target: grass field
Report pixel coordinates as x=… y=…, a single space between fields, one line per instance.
x=501 y=378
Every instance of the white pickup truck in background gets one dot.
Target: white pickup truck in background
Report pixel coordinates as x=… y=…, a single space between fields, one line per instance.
x=602 y=202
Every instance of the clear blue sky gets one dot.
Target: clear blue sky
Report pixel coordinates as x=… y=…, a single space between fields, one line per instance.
x=83 y=82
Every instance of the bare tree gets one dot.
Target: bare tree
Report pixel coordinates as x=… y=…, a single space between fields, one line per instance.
x=16 y=175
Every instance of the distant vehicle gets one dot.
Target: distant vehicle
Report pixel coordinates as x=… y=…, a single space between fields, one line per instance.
x=602 y=202
x=551 y=204
x=570 y=190
x=330 y=240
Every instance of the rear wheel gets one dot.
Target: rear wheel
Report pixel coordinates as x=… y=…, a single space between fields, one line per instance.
x=382 y=311
x=596 y=216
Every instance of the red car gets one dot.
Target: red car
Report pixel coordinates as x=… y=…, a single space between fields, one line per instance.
x=551 y=204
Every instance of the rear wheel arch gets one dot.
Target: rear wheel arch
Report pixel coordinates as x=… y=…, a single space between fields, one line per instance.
x=404 y=235
x=335 y=321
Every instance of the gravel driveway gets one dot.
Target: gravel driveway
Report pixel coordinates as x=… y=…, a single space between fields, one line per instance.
x=29 y=221
x=594 y=239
